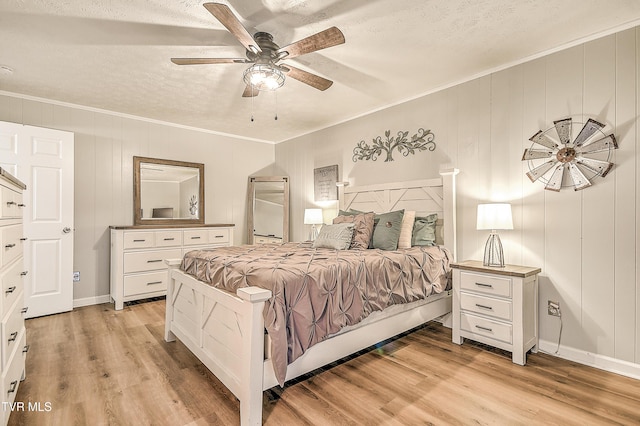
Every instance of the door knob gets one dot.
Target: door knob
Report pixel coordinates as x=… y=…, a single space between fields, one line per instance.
x=66 y=229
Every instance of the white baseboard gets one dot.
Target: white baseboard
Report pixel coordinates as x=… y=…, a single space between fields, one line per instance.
x=624 y=368
x=77 y=303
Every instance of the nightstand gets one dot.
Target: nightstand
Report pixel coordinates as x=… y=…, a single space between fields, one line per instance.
x=496 y=306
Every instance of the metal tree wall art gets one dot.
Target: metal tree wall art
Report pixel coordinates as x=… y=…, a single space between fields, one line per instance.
x=555 y=151
x=421 y=141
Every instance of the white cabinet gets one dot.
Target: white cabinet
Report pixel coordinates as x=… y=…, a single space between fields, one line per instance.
x=13 y=335
x=496 y=306
x=138 y=270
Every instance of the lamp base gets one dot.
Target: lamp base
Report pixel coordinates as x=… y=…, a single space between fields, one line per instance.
x=313 y=234
x=493 y=255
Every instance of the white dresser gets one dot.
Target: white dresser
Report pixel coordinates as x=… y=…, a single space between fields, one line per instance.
x=12 y=310
x=138 y=270
x=496 y=306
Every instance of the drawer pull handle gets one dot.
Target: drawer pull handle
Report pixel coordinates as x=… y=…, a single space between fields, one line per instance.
x=10 y=246
x=11 y=203
x=154 y=282
x=154 y=261
x=219 y=236
x=484 y=306
x=24 y=310
x=13 y=386
x=22 y=205
x=25 y=349
x=11 y=289
x=14 y=336
x=169 y=239
x=195 y=238
x=484 y=285
x=23 y=273
x=23 y=239
x=139 y=241
x=484 y=328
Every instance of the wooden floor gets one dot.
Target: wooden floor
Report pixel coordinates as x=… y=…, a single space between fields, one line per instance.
x=97 y=366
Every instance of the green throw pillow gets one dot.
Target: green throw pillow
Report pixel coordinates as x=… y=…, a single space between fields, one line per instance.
x=424 y=231
x=387 y=231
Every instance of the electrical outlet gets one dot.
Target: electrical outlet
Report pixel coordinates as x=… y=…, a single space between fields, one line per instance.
x=553 y=308
x=76 y=276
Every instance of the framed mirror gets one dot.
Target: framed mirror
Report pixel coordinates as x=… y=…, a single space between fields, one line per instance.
x=268 y=210
x=167 y=192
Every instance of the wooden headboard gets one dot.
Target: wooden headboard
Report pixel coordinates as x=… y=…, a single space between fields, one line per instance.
x=423 y=196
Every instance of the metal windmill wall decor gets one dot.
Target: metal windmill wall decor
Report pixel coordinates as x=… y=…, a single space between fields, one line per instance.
x=555 y=151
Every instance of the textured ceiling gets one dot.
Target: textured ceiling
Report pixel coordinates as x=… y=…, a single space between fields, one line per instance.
x=114 y=55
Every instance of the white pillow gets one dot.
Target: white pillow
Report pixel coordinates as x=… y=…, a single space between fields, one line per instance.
x=336 y=236
x=406 y=229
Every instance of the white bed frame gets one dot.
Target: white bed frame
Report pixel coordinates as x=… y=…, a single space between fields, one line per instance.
x=226 y=331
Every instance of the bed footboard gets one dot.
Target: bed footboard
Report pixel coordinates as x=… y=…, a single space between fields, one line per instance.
x=224 y=331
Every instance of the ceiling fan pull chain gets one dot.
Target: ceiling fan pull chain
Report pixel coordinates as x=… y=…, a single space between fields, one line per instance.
x=276 y=117
x=252 y=103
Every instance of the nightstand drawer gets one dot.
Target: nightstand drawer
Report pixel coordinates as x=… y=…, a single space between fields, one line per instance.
x=481 y=283
x=497 y=308
x=486 y=327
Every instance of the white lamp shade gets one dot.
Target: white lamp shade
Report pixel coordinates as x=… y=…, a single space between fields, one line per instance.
x=494 y=216
x=313 y=216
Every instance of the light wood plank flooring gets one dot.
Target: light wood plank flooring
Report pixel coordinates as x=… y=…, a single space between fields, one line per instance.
x=98 y=366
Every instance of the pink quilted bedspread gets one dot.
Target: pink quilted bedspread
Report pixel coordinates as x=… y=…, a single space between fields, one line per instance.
x=316 y=291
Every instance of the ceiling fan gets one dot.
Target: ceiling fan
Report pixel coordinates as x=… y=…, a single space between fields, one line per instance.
x=267 y=73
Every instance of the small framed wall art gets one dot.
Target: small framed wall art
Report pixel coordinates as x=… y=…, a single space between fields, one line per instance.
x=324 y=183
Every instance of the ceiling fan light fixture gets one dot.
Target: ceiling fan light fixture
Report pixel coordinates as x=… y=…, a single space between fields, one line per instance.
x=263 y=77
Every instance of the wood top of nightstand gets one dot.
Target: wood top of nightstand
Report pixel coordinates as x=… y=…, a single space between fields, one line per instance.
x=509 y=270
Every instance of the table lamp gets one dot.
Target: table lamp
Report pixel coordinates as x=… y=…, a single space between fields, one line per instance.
x=313 y=217
x=494 y=216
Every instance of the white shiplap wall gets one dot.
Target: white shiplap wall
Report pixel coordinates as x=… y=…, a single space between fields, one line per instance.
x=104 y=148
x=586 y=242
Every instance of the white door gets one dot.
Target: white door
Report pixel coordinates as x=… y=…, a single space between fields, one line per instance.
x=44 y=160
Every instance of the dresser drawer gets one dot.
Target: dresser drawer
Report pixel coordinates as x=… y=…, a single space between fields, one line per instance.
x=145 y=283
x=168 y=238
x=486 y=327
x=149 y=260
x=486 y=284
x=11 y=285
x=12 y=326
x=497 y=308
x=196 y=237
x=13 y=373
x=11 y=245
x=133 y=240
x=11 y=203
x=219 y=236
x=266 y=240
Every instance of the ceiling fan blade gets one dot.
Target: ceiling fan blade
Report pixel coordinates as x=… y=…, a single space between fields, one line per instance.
x=541 y=170
x=580 y=181
x=534 y=154
x=589 y=128
x=541 y=139
x=226 y=17
x=555 y=181
x=250 y=92
x=563 y=127
x=312 y=80
x=201 y=61
x=327 y=38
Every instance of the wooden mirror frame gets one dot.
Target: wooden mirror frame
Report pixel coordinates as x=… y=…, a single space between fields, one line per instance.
x=137 y=205
x=251 y=202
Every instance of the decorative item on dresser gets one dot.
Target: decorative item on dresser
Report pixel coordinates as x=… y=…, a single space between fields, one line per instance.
x=14 y=347
x=493 y=217
x=498 y=307
x=138 y=270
